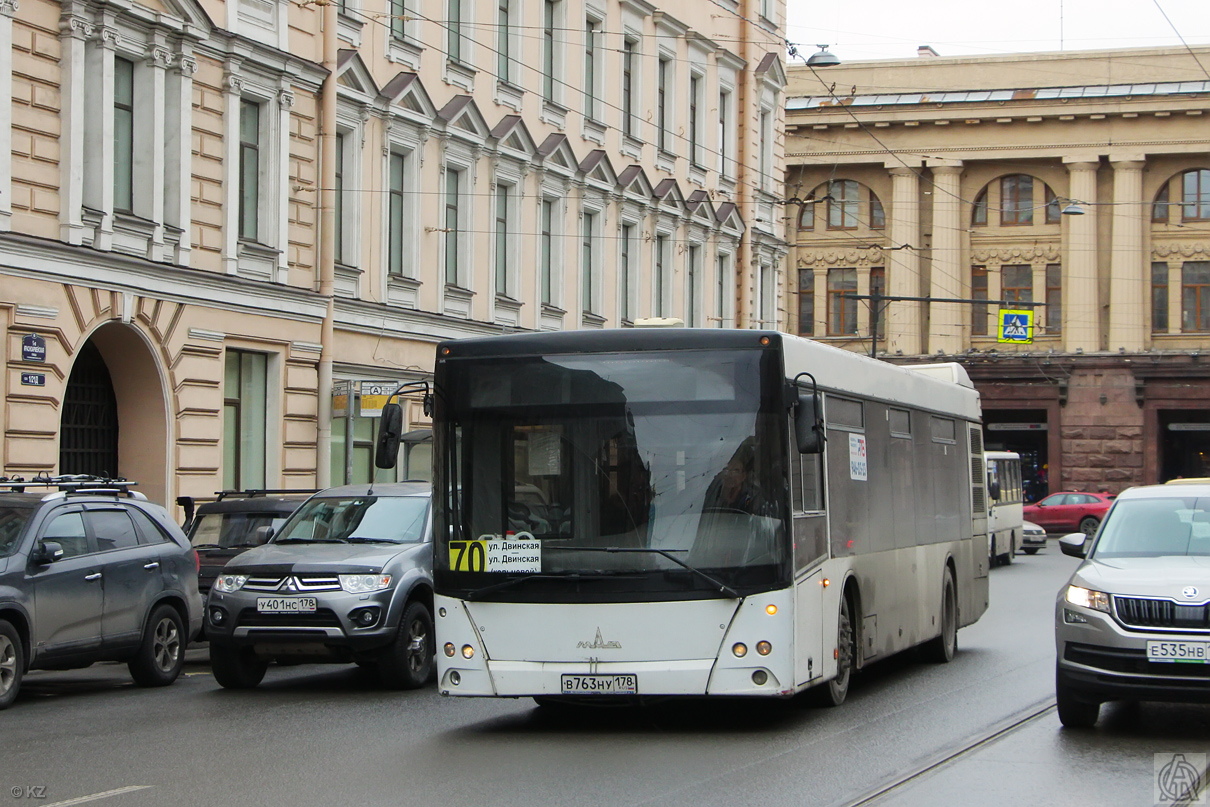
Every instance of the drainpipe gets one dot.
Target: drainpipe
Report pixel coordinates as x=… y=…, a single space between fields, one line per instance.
x=743 y=277
x=327 y=246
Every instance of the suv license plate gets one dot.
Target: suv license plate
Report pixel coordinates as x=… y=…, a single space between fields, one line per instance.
x=1187 y=652
x=600 y=684
x=285 y=605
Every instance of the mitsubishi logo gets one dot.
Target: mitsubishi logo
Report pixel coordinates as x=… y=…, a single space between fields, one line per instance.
x=599 y=643
x=1189 y=592
x=291 y=584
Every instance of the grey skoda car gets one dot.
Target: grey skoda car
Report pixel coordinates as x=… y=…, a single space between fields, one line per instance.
x=348 y=579
x=1133 y=622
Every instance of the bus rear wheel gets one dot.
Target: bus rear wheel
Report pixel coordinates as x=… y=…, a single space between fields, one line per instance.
x=941 y=649
x=834 y=692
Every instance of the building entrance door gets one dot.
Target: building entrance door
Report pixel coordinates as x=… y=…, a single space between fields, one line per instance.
x=1024 y=431
x=1184 y=443
x=88 y=430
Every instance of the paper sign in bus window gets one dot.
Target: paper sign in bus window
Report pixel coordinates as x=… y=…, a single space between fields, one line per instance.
x=857 y=458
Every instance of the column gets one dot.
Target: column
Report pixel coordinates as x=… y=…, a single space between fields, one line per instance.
x=903 y=262
x=281 y=183
x=233 y=87
x=1129 y=267
x=74 y=33
x=99 y=143
x=159 y=59
x=1081 y=309
x=178 y=212
x=946 y=277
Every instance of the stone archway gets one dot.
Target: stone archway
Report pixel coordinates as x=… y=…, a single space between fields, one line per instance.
x=129 y=431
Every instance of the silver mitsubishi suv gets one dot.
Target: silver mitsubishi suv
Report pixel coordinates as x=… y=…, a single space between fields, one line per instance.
x=348 y=579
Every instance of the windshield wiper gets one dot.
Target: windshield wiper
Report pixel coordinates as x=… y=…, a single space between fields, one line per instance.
x=474 y=595
x=311 y=541
x=361 y=539
x=723 y=587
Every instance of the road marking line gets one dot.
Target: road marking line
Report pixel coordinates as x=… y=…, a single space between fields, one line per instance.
x=97 y=796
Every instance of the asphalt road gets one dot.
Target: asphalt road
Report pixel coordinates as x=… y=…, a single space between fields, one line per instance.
x=980 y=730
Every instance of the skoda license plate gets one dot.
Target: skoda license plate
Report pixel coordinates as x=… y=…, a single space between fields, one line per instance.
x=285 y=605
x=600 y=685
x=1188 y=652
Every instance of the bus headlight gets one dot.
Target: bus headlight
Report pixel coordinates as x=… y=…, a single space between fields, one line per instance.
x=764 y=648
x=468 y=652
x=449 y=649
x=739 y=649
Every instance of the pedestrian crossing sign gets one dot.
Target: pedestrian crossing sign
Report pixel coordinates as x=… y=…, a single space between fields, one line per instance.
x=1016 y=326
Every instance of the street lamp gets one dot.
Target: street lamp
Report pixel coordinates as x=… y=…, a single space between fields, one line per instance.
x=822 y=59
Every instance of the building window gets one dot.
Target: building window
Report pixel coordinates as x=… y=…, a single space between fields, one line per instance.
x=591 y=29
x=1159 y=210
x=1016 y=200
x=979 y=311
x=806 y=302
x=504 y=58
x=1054 y=298
x=123 y=135
x=547 y=250
x=692 y=272
x=843 y=204
x=589 y=223
x=661 y=268
x=340 y=197
x=452 y=194
x=725 y=135
x=661 y=110
x=877 y=214
x=767 y=295
x=979 y=210
x=724 y=290
x=878 y=286
x=1195 y=195
x=806 y=214
x=249 y=169
x=503 y=214
x=627 y=269
x=1195 y=296
x=395 y=223
x=453 y=30
x=842 y=311
x=695 y=128
x=1017 y=283
x=245 y=389
x=1159 y=297
x=628 y=62
x=1053 y=213
x=399 y=14
x=765 y=146
x=550 y=15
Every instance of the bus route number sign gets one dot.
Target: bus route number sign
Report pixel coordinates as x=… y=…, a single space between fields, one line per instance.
x=520 y=552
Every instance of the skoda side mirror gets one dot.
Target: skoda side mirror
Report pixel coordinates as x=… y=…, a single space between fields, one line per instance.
x=1075 y=544
x=47 y=552
x=390 y=430
x=808 y=423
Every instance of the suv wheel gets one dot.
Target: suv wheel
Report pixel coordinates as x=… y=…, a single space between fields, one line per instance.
x=12 y=663
x=1074 y=712
x=236 y=667
x=408 y=663
x=162 y=653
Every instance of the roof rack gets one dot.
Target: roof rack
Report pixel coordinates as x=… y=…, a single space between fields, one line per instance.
x=253 y=492
x=71 y=483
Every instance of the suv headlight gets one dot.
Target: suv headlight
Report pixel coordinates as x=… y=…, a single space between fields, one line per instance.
x=1087 y=598
x=228 y=583
x=364 y=583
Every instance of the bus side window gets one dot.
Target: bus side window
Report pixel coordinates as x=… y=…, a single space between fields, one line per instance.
x=810 y=528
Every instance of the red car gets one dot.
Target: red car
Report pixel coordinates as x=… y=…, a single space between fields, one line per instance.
x=1069 y=511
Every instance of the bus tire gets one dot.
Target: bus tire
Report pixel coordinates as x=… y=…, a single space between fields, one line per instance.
x=834 y=692
x=941 y=649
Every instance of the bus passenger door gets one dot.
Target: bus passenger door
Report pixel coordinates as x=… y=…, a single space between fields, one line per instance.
x=810 y=541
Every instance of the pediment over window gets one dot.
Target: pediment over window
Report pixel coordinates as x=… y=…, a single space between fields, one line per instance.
x=512 y=135
x=728 y=217
x=597 y=170
x=634 y=183
x=701 y=209
x=353 y=75
x=406 y=92
x=462 y=118
x=669 y=197
x=555 y=153
x=183 y=16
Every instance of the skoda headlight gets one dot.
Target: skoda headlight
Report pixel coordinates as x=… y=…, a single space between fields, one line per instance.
x=228 y=583
x=1087 y=598
x=364 y=583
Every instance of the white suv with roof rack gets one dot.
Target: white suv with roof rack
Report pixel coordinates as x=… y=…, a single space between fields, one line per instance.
x=90 y=571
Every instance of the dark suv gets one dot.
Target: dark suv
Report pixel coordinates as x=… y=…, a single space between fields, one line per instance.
x=233 y=523
x=348 y=579
x=92 y=571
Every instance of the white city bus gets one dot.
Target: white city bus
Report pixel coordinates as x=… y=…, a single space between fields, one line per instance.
x=1005 y=500
x=632 y=513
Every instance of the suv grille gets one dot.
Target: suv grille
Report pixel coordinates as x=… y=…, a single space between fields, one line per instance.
x=307 y=583
x=1136 y=612
x=322 y=618
x=1128 y=660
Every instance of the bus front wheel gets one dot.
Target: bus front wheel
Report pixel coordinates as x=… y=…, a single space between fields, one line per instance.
x=834 y=692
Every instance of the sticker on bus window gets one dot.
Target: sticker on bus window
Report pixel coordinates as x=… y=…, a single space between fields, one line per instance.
x=857 y=458
x=492 y=553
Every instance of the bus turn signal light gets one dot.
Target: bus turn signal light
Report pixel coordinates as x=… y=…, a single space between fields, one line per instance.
x=739 y=649
x=764 y=648
x=770 y=609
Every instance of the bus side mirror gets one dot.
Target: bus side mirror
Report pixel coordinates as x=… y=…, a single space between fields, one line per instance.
x=993 y=490
x=808 y=424
x=390 y=430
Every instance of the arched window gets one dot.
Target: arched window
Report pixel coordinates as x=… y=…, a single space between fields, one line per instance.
x=851 y=206
x=1195 y=195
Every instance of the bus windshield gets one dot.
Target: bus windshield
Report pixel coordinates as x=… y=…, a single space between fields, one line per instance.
x=625 y=476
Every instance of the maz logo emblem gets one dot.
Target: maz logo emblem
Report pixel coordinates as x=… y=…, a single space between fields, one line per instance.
x=599 y=643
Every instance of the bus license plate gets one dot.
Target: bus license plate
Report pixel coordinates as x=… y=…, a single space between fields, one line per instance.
x=285 y=605
x=600 y=684
x=1188 y=652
